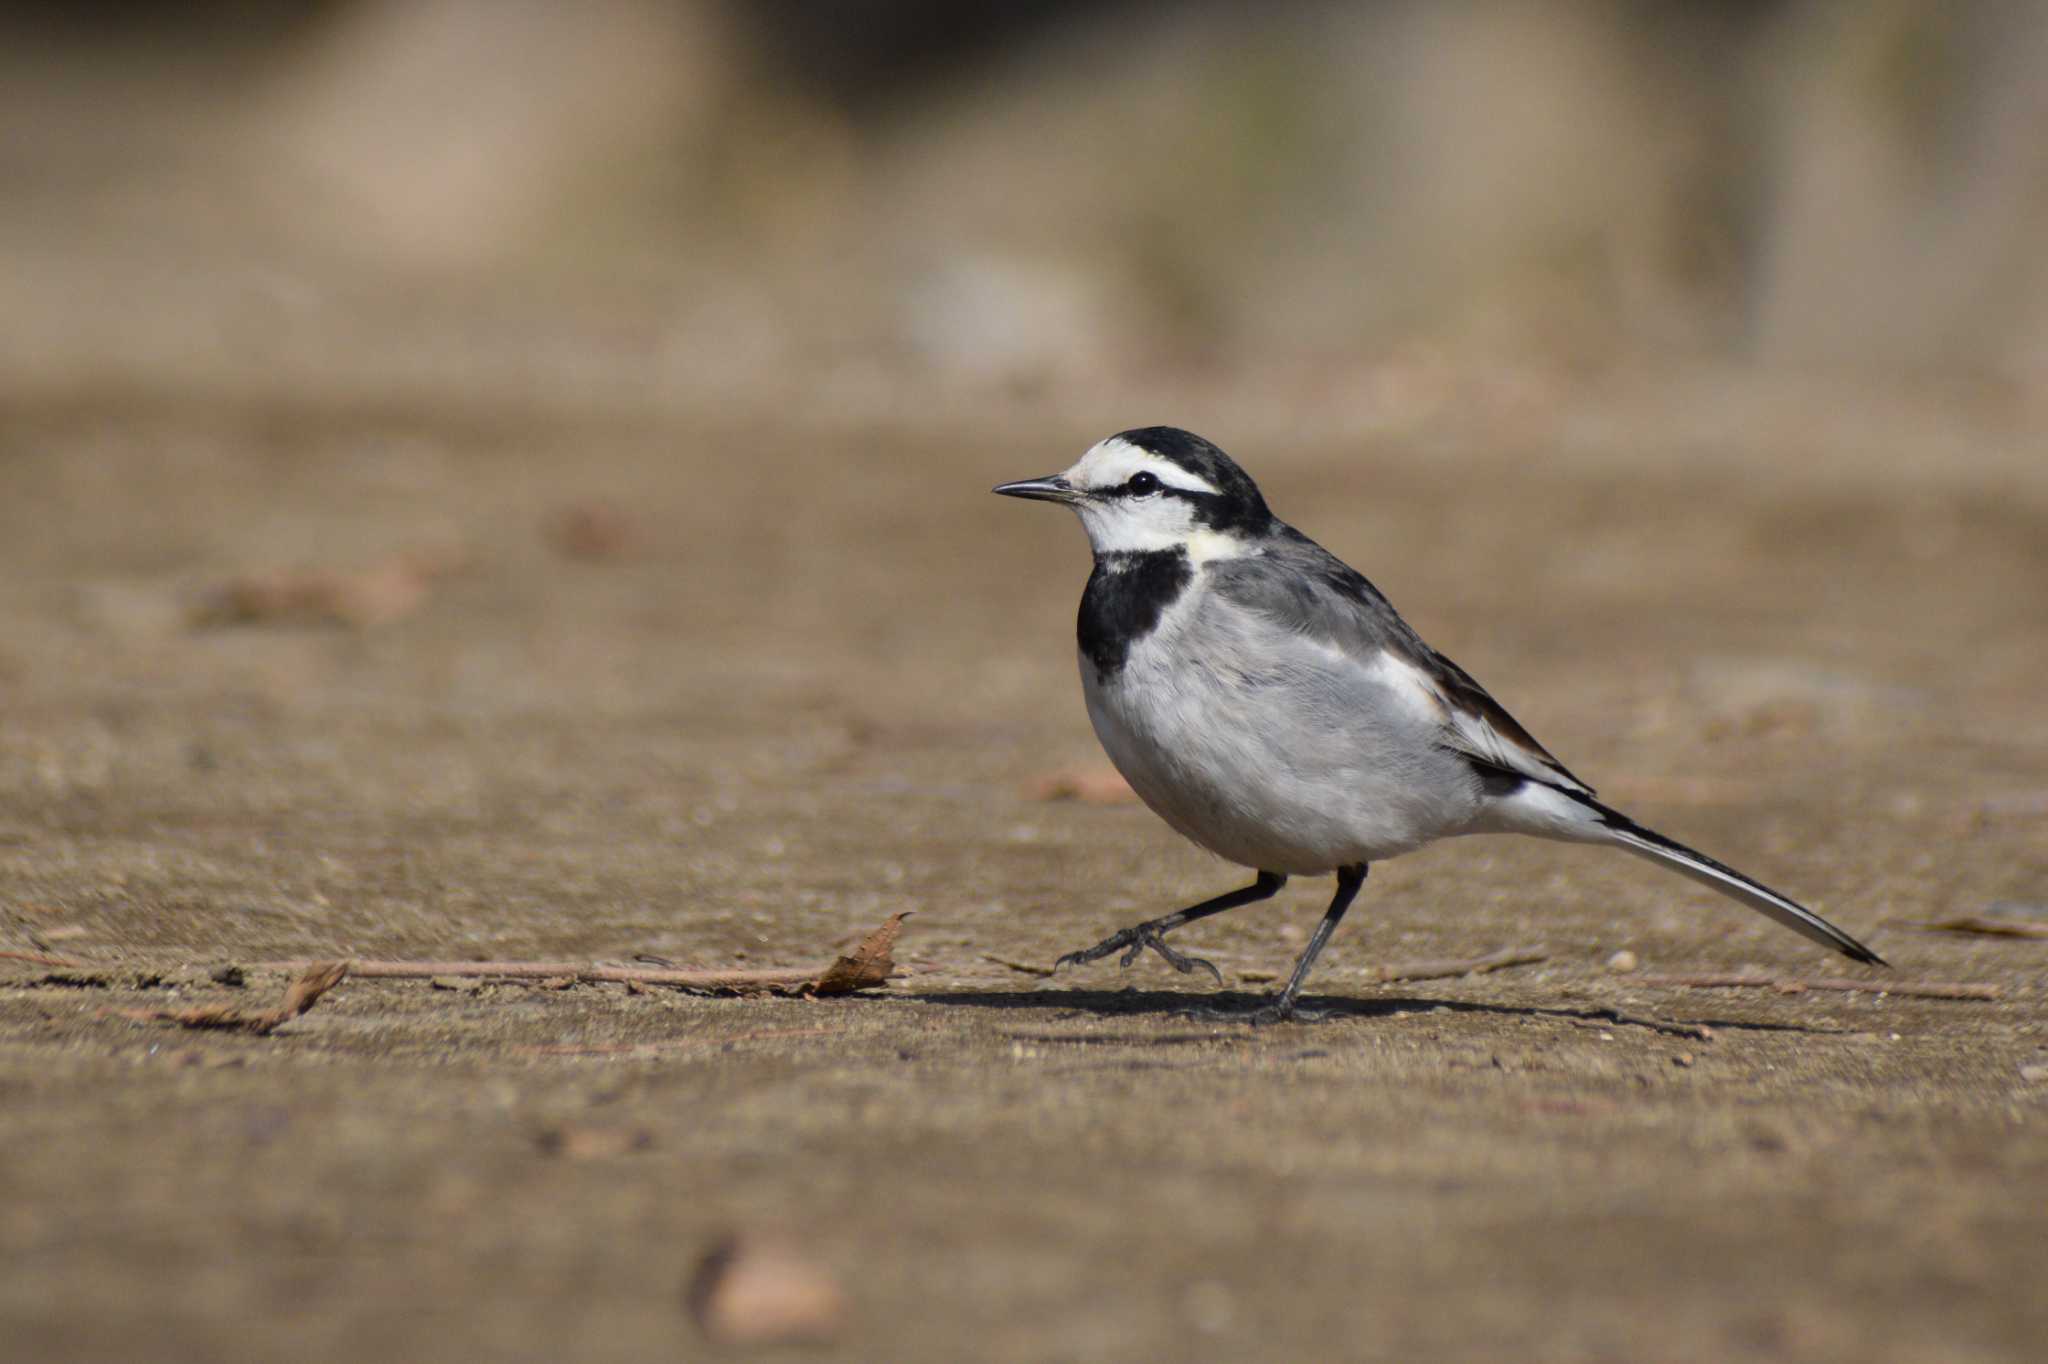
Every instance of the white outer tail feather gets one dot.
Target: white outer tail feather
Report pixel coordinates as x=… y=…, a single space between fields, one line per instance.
x=1552 y=812
x=1736 y=886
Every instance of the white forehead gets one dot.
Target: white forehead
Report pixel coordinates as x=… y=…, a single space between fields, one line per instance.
x=1111 y=463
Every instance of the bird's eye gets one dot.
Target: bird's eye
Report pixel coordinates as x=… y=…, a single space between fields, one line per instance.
x=1143 y=483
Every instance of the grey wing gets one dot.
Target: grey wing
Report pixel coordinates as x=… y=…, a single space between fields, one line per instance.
x=1299 y=584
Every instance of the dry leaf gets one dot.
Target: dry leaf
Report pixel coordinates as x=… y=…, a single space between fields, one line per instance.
x=1089 y=785
x=750 y=1290
x=304 y=991
x=868 y=964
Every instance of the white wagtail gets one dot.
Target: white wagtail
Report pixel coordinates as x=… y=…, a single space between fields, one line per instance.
x=1268 y=703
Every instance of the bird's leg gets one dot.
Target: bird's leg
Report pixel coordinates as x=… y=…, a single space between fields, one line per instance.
x=1134 y=940
x=1282 y=1008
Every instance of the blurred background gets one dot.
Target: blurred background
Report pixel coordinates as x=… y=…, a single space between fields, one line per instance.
x=503 y=479
x=1345 y=217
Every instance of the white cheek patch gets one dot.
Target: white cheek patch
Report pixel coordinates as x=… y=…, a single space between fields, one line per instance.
x=1121 y=528
x=1207 y=546
x=1110 y=464
x=1136 y=525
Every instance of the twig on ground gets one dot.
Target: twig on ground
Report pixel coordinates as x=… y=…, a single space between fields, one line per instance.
x=306 y=988
x=1458 y=966
x=1024 y=966
x=38 y=959
x=1600 y=1017
x=868 y=965
x=1785 y=985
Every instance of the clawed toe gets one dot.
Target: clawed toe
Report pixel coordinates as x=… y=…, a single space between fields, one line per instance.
x=1133 y=942
x=1177 y=959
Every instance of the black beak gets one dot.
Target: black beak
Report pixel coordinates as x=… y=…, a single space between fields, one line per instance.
x=1051 y=488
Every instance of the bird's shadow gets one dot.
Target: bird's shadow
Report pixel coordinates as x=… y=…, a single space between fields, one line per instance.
x=1228 y=1007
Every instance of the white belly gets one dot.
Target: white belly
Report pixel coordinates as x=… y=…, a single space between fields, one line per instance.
x=1288 y=758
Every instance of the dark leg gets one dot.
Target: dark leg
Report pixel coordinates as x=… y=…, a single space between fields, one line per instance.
x=1282 y=1006
x=1349 y=879
x=1138 y=937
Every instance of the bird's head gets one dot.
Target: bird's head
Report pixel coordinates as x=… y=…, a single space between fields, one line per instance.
x=1155 y=488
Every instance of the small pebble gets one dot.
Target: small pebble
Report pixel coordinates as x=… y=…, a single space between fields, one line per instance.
x=1622 y=962
x=752 y=1290
x=1682 y=1060
x=577 y=1141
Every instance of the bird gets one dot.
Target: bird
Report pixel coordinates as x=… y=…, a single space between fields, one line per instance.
x=1267 y=702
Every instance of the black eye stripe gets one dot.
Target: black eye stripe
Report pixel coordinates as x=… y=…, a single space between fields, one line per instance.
x=1163 y=490
x=1145 y=483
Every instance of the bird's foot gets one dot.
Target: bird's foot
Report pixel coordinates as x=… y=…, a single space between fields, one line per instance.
x=1132 y=942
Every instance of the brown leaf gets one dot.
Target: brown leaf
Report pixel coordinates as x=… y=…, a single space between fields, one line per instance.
x=867 y=965
x=1089 y=785
x=304 y=991
x=752 y=1290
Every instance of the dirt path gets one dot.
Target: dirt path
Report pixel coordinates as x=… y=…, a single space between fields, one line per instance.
x=731 y=696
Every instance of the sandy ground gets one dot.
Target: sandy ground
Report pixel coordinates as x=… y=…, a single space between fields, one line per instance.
x=806 y=680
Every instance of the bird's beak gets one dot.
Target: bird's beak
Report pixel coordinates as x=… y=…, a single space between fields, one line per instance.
x=1051 y=488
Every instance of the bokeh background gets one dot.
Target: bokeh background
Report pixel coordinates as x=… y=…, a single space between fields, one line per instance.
x=1346 y=216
